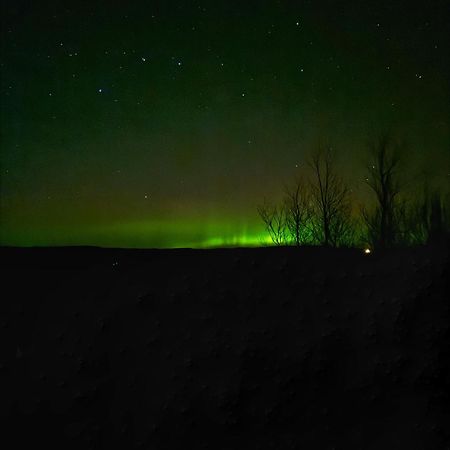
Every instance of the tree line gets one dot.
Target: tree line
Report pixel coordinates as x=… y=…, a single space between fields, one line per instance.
x=317 y=209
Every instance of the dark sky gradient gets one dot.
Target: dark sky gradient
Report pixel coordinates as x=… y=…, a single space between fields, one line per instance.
x=164 y=123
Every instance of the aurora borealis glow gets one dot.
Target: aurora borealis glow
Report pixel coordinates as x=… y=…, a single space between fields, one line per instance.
x=164 y=123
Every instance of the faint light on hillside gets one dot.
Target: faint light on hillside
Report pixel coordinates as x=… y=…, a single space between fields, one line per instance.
x=367 y=251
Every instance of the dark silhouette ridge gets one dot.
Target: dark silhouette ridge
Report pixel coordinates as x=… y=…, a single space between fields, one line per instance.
x=249 y=348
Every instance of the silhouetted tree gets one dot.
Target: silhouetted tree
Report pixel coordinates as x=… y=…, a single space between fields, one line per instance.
x=298 y=212
x=330 y=200
x=383 y=178
x=423 y=220
x=437 y=223
x=274 y=218
x=412 y=221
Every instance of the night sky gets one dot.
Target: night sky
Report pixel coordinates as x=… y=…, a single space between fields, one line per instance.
x=165 y=123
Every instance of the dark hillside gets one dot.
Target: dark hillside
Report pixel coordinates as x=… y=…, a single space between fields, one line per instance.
x=268 y=348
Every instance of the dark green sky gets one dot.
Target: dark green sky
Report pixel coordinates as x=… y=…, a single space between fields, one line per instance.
x=164 y=123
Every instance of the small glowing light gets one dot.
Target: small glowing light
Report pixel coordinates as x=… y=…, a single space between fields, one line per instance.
x=367 y=251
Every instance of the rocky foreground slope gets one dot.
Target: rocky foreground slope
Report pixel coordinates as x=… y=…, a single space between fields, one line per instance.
x=272 y=348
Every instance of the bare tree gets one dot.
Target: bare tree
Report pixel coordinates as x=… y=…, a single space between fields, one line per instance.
x=298 y=212
x=383 y=178
x=422 y=220
x=330 y=200
x=412 y=218
x=437 y=225
x=274 y=218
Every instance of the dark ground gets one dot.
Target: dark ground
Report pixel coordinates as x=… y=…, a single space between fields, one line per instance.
x=273 y=348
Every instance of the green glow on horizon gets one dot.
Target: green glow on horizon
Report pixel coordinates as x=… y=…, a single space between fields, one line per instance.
x=194 y=233
x=251 y=240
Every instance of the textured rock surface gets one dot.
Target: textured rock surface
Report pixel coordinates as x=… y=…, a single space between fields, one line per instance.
x=225 y=349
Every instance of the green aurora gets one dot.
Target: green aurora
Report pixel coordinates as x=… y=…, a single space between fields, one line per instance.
x=143 y=234
x=165 y=123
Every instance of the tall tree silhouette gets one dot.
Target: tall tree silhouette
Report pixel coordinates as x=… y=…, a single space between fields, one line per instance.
x=298 y=212
x=383 y=178
x=437 y=224
x=274 y=218
x=330 y=200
